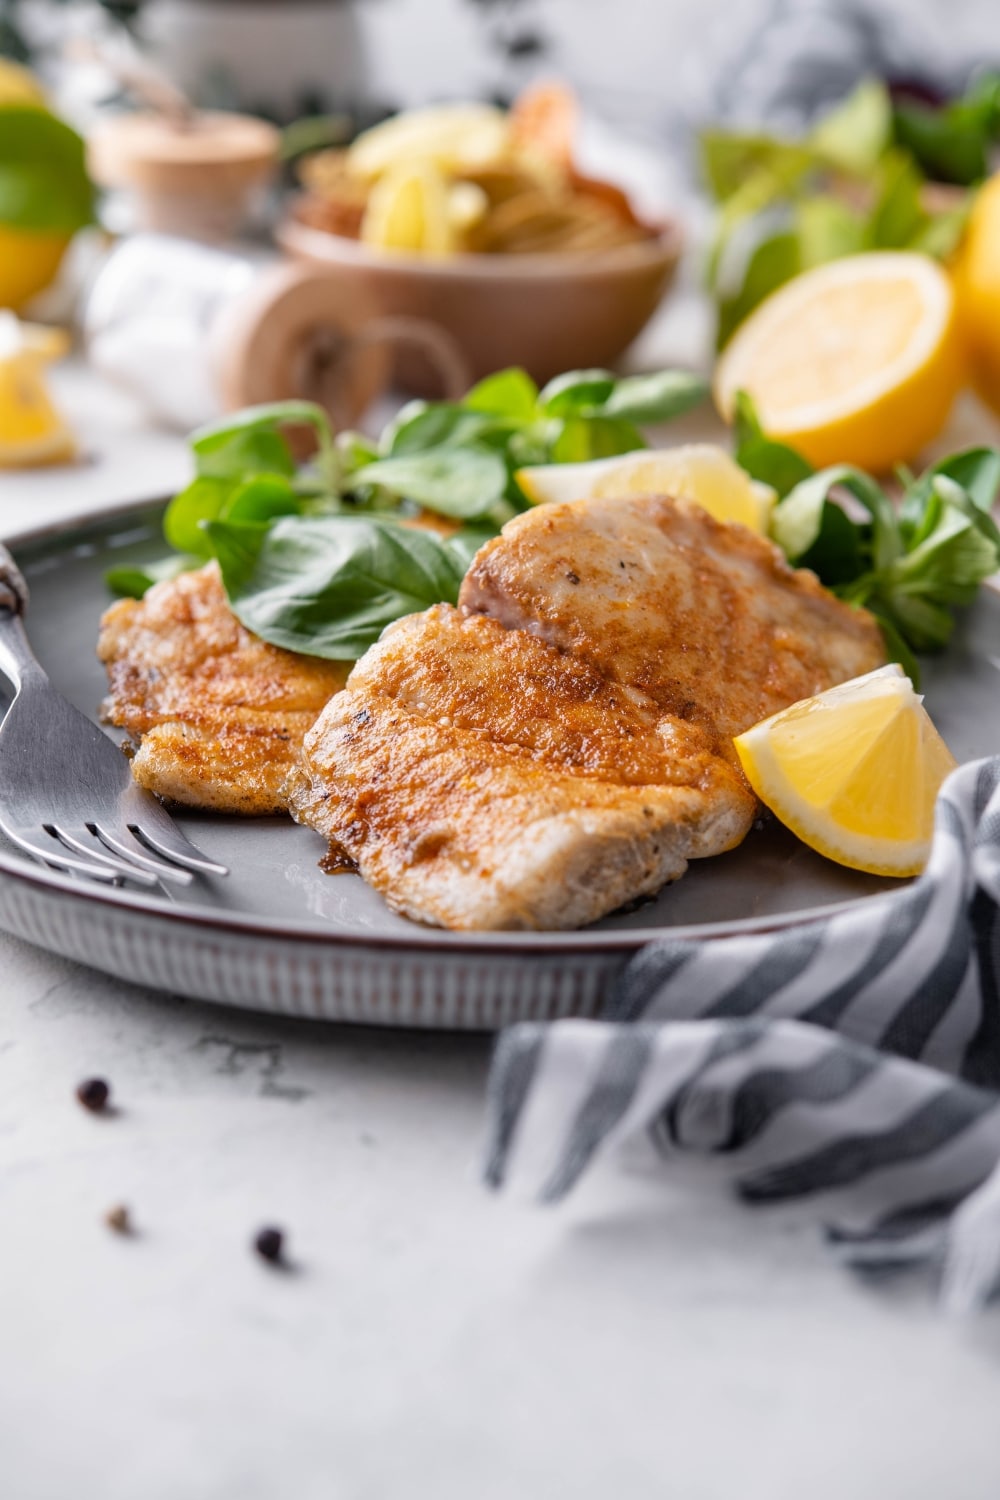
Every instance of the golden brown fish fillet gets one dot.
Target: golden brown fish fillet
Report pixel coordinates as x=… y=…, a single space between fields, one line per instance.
x=482 y=779
x=707 y=619
x=563 y=744
x=220 y=715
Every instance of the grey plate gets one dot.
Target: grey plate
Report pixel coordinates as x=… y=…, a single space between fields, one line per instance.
x=279 y=934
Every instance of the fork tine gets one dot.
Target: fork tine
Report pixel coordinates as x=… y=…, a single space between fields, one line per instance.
x=133 y=853
x=55 y=855
x=178 y=849
x=93 y=850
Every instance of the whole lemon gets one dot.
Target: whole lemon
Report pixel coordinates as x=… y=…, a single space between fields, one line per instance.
x=47 y=195
x=977 y=289
x=29 y=260
x=18 y=86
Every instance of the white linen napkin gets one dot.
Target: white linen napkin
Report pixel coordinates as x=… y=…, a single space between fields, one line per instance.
x=853 y=1062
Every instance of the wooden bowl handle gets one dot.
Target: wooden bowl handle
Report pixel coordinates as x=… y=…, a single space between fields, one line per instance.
x=301 y=333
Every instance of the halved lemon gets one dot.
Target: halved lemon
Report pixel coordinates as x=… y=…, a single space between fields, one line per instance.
x=700 y=472
x=31 y=429
x=855 y=362
x=408 y=209
x=855 y=772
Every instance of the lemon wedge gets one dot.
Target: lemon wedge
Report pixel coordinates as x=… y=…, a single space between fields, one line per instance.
x=854 y=362
x=448 y=136
x=700 y=472
x=855 y=772
x=31 y=429
x=408 y=209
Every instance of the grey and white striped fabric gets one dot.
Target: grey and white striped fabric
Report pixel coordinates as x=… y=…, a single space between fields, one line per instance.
x=853 y=1062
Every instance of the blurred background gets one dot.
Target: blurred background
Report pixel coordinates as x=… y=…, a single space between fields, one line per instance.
x=215 y=150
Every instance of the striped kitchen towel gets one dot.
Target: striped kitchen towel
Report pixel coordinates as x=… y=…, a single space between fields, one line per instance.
x=853 y=1062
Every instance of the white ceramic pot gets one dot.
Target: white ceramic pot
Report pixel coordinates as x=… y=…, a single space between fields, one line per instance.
x=259 y=54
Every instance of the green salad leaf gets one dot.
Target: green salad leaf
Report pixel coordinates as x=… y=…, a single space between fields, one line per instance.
x=328 y=586
x=509 y=393
x=312 y=556
x=910 y=563
x=466 y=483
x=771 y=462
x=858 y=180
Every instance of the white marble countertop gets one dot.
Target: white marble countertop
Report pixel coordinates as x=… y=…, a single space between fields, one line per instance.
x=648 y=1339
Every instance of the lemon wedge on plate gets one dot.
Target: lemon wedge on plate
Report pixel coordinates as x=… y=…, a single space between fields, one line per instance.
x=854 y=362
x=701 y=472
x=31 y=429
x=855 y=772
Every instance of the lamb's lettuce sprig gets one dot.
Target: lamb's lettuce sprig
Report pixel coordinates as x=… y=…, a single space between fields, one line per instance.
x=911 y=561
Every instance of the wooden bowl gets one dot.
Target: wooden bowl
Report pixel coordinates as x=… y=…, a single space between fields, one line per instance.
x=546 y=313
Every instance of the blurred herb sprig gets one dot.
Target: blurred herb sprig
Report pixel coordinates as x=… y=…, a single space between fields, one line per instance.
x=911 y=561
x=874 y=174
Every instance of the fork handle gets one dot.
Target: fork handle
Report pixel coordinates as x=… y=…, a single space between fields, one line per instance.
x=16 y=656
x=13 y=589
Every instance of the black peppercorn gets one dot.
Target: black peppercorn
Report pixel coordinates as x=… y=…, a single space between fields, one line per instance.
x=93 y=1094
x=119 y=1219
x=269 y=1244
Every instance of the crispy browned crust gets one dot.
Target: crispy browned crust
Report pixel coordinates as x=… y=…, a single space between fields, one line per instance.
x=219 y=715
x=482 y=779
x=707 y=619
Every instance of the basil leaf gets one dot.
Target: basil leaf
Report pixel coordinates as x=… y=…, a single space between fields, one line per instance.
x=236 y=446
x=128 y=583
x=534 y=444
x=464 y=483
x=263 y=498
x=569 y=394
x=772 y=463
x=467 y=542
x=774 y=261
x=204 y=499
x=436 y=426
x=329 y=586
x=354 y=449
x=134 y=583
x=236 y=455
x=654 y=398
x=584 y=438
x=509 y=393
x=43 y=177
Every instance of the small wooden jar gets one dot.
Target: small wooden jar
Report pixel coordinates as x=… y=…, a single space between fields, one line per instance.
x=194 y=175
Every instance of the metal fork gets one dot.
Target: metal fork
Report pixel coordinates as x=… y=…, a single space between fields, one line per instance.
x=67 y=795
